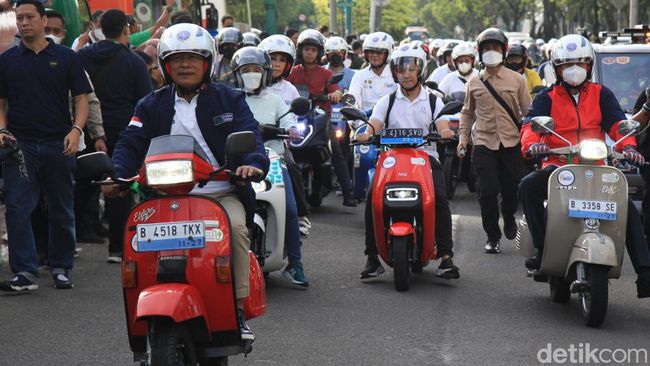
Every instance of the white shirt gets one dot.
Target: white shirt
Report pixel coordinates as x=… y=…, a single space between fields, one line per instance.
x=367 y=87
x=266 y=108
x=409 y=114
x=439 y=73
x=284 y=89
x=452 y=83
x=185 y=123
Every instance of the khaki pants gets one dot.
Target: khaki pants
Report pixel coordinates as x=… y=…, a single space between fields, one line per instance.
x=239 y=239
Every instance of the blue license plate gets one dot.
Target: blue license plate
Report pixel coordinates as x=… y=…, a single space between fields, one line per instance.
x=170 y=236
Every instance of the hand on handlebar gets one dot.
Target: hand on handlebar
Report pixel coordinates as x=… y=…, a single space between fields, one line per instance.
x=334 y=97
x=362 y=137
x=633 y=156
x=294 y=134
x=247 y=172
x=538 y=149
x=447 y=134
x=113 y=190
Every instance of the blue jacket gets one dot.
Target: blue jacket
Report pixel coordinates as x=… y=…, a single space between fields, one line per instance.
x=220 y=111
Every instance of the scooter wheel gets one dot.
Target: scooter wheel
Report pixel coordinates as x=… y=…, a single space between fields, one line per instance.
x=593 y=300
x=401 y=262
x=170 y=343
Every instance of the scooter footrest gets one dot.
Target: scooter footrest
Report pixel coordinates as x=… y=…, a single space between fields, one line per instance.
x=579 y=286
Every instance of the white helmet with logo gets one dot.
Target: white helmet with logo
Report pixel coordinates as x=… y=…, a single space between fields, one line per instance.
x=572 y=48
x=378 y=42
x=186 y=38
x=409 y=54
x=463 y=49
x=278 y=43
x=335 y=44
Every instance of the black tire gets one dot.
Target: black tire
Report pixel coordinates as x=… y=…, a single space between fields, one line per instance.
x=451 y=170
x=221 y=361
x=560 y=290
x=593 y=301
x=170 y=344
x=315 y=198
x=401 y=262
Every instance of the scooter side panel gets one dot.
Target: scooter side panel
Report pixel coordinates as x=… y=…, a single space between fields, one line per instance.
x=404 y=165
x=595 y=248
x=586 y=182
x=275 y=225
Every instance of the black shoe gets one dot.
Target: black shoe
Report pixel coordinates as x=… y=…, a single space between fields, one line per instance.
x=100 y=230
x=373 y=268
x=643 y=285
x=349 y=201
x=62 y=281
x=448 y=270
x=18 y=283
x=89 y=236
x=534 y=262
x=492 y=247
x=244 y=329
x=510 y=228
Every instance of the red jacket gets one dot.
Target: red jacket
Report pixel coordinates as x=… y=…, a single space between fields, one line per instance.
x=316 y=79
x=596 y=113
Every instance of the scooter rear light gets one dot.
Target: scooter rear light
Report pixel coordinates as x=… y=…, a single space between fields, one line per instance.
x=222 y=268
x=339 y=134
x=130 y=274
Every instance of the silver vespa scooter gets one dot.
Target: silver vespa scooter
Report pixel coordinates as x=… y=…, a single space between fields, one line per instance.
x=586 y=223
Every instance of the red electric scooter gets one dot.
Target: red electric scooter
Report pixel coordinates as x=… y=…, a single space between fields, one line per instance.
x=177 y=277
x=403 y=199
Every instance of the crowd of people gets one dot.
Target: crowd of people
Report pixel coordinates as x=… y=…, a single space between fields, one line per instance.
x=119 y=86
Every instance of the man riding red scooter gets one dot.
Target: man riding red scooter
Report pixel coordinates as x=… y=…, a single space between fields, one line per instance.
x=191 y=105
x=411 y=110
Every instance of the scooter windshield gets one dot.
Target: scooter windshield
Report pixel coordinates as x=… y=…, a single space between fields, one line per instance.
x=176 y=144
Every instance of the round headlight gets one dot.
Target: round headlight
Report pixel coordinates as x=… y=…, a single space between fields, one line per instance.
x=593 y=150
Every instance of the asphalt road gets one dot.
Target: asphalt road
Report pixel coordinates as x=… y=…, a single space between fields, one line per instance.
x=492 y=315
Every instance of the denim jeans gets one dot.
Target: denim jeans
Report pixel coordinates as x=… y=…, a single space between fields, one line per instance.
x=52 y=172
x=291 y=229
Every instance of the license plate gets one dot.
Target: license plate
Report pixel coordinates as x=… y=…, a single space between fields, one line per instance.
x=402 y=136
x=171 y=236
x=336 y=115
x=587 y=209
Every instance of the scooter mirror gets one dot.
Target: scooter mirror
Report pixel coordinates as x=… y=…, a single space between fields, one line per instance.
x=300 y=106
x=94 y=166
x=542 y=124
x=452 y=107
x=351 y=113
x=348 y=99
x=335 y=79
x=628 y=126
x=431 y=85
x=239 y=143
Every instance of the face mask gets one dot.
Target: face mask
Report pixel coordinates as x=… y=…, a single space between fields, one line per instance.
x=514 y=66
x=492 y=58
x=347 y=62
x=252 y=81
x=574 y=75
x=335 y=59
x=464 y=68
x=228 y=53
x=55 y=39
x=98 y=35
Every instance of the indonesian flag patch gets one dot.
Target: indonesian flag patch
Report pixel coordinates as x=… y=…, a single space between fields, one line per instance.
x=135 y=121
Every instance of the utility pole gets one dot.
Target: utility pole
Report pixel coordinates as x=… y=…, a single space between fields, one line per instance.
x=634 y=12
x=333 y=24
x=270 y=9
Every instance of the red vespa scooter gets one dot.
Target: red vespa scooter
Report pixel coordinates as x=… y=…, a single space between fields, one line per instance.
x=403 y=199
x=177 y=276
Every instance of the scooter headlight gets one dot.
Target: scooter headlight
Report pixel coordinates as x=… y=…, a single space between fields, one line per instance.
x=301 y=127
x=593 y=150
x=402 y=194
x=169 y=172
x=262 y=186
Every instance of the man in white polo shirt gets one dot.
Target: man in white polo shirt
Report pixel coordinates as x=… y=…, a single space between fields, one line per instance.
x=411 y=107
x=464 y=57
x=375 y=81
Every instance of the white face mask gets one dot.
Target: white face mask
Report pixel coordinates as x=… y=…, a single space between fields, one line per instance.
x=574 y=75
x=347 y=62
x=492 y=58
x=55 y=39
x=464 y=68
x=252 y=81
x=97 y=35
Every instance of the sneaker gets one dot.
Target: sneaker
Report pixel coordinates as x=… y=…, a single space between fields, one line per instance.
x=19 y=283
x=77 y=251
x=534 y=262
x=295 y=274
x=114 y=258
x=62 y=281
x=510 y=228
x=492 y=247
x=304 y=221
x=349 y=201
x=373 y=268
x=304 y=231
x=448 y=270
x=643 y=285
x=244 y=329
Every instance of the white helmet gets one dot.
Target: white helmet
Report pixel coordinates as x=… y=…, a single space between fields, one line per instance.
x=335 y=44
x=378 y=41
x=463 y=49
x=406 y=55
x=570 y=49
x=539 y=42
x=278 y=43
x=186 y=38
x=437 y=43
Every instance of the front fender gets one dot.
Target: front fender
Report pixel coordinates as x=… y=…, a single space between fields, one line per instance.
x=594 y=248
x=179 y=302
